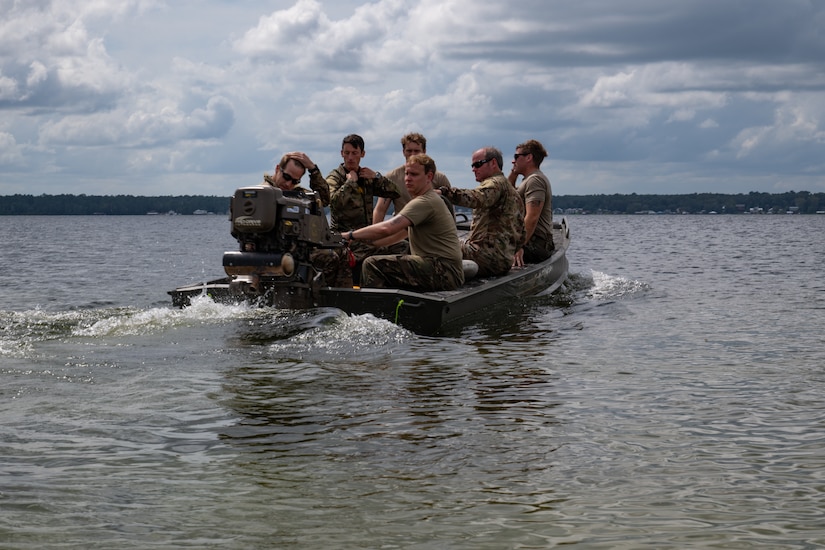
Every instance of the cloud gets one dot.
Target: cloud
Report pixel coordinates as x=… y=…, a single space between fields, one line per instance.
x=140 y=128
x=10 y=152
x=276 y=33
x=721 y=95
x=51 y=61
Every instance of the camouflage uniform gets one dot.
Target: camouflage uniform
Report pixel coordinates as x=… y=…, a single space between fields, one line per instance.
x=410 y=272
x=351 y=208
x=351 y=203
x=497 y=229
x=318 y=184
x=332 y=262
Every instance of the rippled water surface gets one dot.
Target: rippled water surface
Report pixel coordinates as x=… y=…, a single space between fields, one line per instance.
x=670 y=397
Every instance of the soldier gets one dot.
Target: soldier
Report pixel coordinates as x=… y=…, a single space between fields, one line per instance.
x=537 y=199
x=291 y=169
x=334 y=263
x=435 y=262
x=352 y=188
x=411 y=144
x=497 y=229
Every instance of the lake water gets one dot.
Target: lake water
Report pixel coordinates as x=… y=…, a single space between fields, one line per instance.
x=673 y=396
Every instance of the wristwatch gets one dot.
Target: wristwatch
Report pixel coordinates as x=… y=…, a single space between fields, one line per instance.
x=377 y=175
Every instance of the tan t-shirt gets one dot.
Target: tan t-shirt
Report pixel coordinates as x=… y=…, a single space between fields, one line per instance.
x=396 y=175
x=432 y=233
x=536 y=187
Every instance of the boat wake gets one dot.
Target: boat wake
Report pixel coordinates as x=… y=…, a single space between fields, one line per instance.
x=603 y=287
x=22 y=331
x=367 y=336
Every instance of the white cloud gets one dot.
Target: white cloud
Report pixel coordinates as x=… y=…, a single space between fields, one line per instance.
x=193 y=93
x=8 y=88
x=37 y=74
x=796 y=133
x=277 y=33
x=10 y=152
x=610 y=91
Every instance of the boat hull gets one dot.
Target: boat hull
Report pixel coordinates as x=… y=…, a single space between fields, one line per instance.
x=428 y=313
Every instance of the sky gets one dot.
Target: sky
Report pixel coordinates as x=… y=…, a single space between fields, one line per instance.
x=146 y=97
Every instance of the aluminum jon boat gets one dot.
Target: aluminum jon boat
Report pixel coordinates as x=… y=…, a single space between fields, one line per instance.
x=278 y=230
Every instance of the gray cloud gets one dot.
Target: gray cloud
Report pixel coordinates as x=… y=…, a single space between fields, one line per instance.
x=637 y=96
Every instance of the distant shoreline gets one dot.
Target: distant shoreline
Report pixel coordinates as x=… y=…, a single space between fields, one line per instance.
x=792 y=202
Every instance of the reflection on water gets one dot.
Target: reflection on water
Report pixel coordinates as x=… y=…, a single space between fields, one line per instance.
x=409 y=439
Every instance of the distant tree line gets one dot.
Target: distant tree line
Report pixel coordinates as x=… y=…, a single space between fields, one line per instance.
x=802 y=202
x=87 y=205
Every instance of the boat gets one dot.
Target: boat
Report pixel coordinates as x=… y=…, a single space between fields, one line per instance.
x=277 y=230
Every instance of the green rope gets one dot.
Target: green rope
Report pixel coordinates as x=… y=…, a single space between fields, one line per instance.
x=398 y=309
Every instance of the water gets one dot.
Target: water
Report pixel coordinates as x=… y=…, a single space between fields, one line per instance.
x=671 y=397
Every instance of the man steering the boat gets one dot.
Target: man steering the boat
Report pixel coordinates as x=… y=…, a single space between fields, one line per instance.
x=497 y=229
x=290 y=170
x=334 y=263
x=435 y=261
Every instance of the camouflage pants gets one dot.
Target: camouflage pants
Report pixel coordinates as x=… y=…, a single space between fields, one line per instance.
x=364 y=250
x=409 y=272
x=334 y=264
x=491 y=261
x=538 y=250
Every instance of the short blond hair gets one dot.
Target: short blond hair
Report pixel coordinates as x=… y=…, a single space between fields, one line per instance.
x=415 y=137
x=425 y=161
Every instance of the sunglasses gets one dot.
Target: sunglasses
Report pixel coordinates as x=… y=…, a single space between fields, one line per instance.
x=290 y=178
x=480 y=163
x=517 y=155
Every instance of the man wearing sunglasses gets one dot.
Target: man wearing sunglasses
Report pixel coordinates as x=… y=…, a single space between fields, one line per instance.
x=291 y=169
x=497 y=229
x=287 y=177
x=537 y=198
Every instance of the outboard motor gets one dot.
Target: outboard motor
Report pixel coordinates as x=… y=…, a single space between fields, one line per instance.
x=277 y=231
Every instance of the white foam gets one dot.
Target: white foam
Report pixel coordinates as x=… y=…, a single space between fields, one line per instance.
x=610 y=286
x=126 y=322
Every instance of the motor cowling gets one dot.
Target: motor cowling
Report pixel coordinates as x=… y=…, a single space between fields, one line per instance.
x=276 y=230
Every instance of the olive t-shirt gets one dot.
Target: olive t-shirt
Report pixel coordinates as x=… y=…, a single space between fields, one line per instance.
x=536 y=187
x=433 y=232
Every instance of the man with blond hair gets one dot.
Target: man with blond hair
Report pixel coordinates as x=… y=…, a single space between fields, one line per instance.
x=435 y=260
x=411 y=144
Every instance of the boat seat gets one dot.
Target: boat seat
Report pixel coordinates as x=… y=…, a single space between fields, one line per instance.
x=470 y=269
